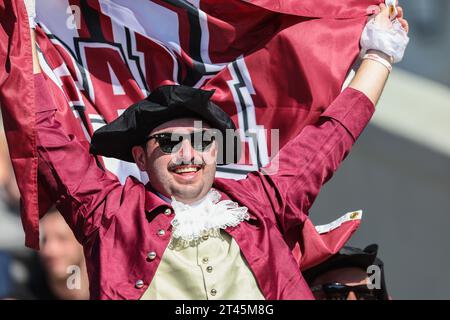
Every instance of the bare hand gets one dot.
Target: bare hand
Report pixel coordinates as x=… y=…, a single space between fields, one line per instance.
x=382 y=19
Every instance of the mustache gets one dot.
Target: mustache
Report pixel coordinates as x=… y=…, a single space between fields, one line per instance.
x=183 y=162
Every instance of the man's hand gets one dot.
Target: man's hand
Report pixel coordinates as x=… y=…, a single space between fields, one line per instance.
x=383 y=20
x=372 y=75
x=386 y=34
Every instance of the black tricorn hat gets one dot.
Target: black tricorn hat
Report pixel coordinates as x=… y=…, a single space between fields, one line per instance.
x=117 y=138
x=346 y=257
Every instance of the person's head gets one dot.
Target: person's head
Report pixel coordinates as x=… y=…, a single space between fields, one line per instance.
x=175 y=135
x=345 y=283
x=179 y=159
x=346 y=276
x=8 y=185
x=58 y=249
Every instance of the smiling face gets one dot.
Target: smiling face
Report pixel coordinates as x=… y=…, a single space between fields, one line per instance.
x=185 y=174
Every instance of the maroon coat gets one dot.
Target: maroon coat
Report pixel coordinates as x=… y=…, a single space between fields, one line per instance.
x=118 y=225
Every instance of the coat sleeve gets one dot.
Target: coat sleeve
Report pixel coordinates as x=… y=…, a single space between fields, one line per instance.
x=289 y=185
x=86 y=195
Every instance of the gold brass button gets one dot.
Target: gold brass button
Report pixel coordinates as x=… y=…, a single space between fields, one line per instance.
x=209 y=269
x=205 y=260
x=354 y=215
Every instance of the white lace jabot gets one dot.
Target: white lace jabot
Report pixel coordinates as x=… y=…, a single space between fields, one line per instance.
x=206 y=217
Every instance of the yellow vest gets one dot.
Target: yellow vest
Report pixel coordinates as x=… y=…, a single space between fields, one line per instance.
x=213 y=269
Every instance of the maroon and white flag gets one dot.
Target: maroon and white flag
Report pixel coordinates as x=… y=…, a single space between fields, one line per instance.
x=273 y=64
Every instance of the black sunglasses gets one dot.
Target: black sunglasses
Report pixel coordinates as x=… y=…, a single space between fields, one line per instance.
x=170 y=142
x=339 y=291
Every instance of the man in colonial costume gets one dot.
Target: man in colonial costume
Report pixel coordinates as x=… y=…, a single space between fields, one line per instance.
x=186 y=234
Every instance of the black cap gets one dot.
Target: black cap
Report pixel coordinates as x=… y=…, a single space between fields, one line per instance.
x=165 y=103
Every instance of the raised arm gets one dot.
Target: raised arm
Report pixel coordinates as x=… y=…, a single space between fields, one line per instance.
x=86 y=195
x=290 y=184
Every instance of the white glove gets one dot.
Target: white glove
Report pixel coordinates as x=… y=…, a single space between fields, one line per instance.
x=391 y=41
x=31 y=10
